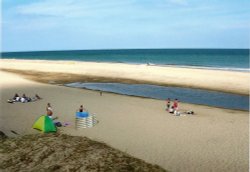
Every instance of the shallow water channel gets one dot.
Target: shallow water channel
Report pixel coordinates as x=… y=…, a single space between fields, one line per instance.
x=188 y=95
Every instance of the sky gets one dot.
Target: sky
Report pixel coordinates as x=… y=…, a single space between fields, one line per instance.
x=33 y=25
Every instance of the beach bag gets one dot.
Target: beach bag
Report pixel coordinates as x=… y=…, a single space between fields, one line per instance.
x=58 y=124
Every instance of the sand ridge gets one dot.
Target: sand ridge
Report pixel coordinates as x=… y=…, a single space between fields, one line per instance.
x=226 y=81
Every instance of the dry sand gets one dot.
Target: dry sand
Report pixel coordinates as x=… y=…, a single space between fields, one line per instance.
x=227 y=81
x=213 y=139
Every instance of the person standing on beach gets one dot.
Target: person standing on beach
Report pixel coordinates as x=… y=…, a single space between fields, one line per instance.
x=168 y=104
x=49 y=110
x=175 y=105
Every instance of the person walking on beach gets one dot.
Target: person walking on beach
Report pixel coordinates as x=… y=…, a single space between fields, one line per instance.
x=49 y=110
x=168 y=104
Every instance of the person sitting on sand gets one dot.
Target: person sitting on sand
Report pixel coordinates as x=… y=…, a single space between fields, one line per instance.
x=171 y=110
x=174 y=111
x=82 y=109
x=49 y=110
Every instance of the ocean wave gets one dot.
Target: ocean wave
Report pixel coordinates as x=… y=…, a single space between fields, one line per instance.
x=224 y=68
x=201 y=67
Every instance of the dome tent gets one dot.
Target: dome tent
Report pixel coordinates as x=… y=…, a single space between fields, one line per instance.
x=45 y=124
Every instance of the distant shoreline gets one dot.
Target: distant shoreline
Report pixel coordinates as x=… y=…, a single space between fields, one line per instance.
x=245 y=70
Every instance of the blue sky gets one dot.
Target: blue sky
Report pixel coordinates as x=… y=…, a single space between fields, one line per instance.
x=111 y=24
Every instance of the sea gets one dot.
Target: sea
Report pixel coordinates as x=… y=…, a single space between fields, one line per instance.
x=212 y=59
x=220 y=59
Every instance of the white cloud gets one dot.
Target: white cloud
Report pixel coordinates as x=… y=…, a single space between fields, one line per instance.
x=48 y=8
x=73 y=8
x=98 y=8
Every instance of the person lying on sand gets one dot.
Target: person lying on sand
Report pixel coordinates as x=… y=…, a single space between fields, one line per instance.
x=37 y=97
x=16 y=97
x=23 y=99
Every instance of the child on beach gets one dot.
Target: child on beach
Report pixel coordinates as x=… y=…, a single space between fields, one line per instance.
x=171 y=110
x=168 y=104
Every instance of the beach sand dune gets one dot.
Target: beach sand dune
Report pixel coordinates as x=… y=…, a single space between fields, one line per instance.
x=60 y=152
x=213 y=139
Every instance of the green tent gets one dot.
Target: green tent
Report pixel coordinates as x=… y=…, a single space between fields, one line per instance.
x=45 y=124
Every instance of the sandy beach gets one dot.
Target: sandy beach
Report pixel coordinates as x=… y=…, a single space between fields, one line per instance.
x=213 y=139
x=70 y=71
x=165 y=85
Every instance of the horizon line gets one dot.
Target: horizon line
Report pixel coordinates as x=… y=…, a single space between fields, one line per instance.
x=113 y=49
